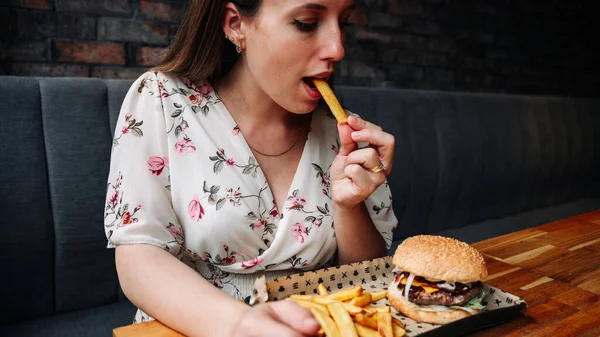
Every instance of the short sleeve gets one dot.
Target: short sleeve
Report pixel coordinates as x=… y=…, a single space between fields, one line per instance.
x=138 y=207
x=379 y=204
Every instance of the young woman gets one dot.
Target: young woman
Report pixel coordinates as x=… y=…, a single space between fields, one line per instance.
x=226 y=165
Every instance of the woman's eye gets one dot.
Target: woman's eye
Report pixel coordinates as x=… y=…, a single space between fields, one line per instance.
x=305 y=27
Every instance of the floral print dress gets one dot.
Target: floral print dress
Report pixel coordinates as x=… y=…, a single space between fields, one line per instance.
x=183 y=178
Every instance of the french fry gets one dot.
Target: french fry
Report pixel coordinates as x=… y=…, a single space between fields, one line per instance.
x=322 y=300
x=343 y=320
x=384 y=324
x=331 y=100
x=309 y=304
x=301 y=297
x=397 y=322
x=398 y=331
x=365 y=332
x=353 y=309
x=378 y=295
x=346 y=294
x=377 y=309
x=327 y=324
x=322 y=290
x=362 y=300
x=366 y=321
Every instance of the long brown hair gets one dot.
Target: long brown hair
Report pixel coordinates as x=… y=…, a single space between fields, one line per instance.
x=200 y=51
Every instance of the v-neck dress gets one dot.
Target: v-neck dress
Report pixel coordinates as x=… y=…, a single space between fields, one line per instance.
x=183 y=178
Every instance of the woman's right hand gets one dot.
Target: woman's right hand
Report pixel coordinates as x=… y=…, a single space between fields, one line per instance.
x=281 y=319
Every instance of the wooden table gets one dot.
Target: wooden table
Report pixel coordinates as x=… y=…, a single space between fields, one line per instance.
x=555 y=267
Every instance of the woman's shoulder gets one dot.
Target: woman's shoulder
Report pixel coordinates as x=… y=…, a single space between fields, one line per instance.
x=163 y=79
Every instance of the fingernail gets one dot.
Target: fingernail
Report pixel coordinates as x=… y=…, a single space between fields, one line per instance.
x=310 y=322
x=353 y=119
x=355 y=134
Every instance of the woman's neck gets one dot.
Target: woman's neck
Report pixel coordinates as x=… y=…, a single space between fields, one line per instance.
x=247 y=103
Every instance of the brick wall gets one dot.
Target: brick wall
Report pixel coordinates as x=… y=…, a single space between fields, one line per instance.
x=95 y=38
x=515 y=46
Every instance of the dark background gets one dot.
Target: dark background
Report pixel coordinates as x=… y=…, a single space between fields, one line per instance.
x=512 y=46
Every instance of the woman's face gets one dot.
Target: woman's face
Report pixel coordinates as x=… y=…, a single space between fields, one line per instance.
x=290 y=41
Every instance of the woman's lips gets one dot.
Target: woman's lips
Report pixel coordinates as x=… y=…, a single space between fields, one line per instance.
x=312 y=92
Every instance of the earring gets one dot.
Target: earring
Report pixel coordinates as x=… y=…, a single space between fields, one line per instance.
x=227 y=37
x=238 y=48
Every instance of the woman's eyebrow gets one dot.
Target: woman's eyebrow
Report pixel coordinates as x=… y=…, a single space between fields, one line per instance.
x=321 y=7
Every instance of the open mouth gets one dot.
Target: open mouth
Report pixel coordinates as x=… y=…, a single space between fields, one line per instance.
x=309 y=82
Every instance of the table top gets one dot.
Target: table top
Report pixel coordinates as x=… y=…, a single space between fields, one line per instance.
x=554 y=267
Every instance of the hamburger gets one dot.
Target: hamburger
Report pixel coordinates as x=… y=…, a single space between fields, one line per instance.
x=438 y=279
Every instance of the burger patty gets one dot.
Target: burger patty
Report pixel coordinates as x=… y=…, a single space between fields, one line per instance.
x=419 y=296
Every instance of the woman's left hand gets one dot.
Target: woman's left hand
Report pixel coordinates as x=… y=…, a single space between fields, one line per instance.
x=355 y=173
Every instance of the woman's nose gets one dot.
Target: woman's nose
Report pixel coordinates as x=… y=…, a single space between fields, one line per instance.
x=334 y=45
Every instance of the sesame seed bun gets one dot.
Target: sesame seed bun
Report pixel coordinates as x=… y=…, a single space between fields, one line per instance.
x=439 y=258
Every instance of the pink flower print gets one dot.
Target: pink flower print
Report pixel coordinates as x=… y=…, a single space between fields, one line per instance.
x=205 y=89
x=317 y=222
x=114 y=199
x=185 y=146
x=228 y=260
x=298 y=203
x=157 y=164
x=137 y=208
x=252 y=263
x=230 y=162
x=195 y=209
x=335 y=149
x=299 y=232
x=235 y=131
x=195 y=99
x=125 y=130
x=125 y=219
x=225 y=247
x=127 y=117
x=184 y=126
x=260 y=223
x=274 y=213
x=177 y=233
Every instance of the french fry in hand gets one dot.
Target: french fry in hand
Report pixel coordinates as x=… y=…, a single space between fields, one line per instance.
x=365 y=332
x=362 y=300
x=378 y=295
x=309 y=305
x=327 y=324
x=343 y=320
x=384 y=324
x=322 y=290
x=346 y=294
x=331 y=100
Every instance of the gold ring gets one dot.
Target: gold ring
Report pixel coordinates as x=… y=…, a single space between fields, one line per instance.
x=378 y=168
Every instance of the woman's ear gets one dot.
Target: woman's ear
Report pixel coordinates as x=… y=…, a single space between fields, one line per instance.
x=232 y=24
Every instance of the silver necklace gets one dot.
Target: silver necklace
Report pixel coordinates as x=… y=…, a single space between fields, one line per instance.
x=285 y=151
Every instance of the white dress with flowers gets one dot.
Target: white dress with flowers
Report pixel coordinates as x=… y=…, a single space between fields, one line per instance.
x=183 y=178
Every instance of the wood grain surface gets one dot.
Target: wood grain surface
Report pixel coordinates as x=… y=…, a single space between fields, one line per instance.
x=555 y=267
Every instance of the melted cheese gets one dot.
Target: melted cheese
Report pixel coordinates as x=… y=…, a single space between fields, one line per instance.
x=423 y=285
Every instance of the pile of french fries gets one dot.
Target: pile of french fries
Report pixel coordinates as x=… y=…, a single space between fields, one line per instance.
x=351 y=312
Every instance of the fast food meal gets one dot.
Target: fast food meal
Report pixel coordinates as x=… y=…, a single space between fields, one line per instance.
x=331 y=100
x=439 y=279
x=350 y=312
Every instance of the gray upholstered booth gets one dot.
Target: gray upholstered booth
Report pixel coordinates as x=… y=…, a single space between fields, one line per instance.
x=470 y=166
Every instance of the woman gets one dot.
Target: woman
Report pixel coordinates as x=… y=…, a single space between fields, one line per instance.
x=225 y=159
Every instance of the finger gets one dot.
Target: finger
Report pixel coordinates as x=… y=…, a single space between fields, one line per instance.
x=358 y=123
x=368 y=157
x=383 y=142
x=364 y=182
x=296 y=317
x=347 y=145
